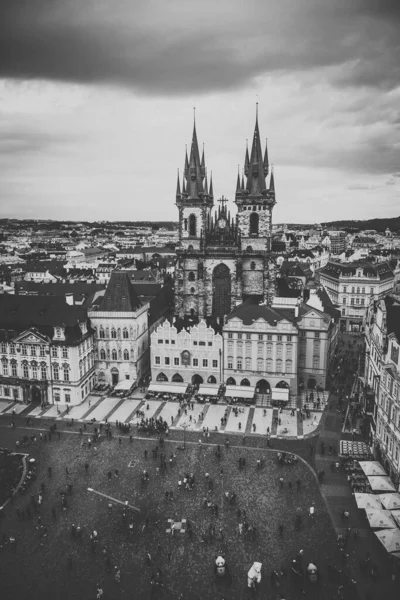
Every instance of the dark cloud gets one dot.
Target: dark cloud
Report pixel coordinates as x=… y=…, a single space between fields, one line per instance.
x=180 y=47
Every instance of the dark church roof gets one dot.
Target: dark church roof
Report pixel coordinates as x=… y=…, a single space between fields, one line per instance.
x=120 y=295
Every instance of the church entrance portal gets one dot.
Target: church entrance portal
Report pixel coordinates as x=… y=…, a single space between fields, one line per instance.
x=221 y=291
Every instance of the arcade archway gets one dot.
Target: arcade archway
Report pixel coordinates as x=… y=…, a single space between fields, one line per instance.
x=161 y=377
x=311 y=383
x=263 y=387
x=283 y=384
x=177 y=378
x=230 y=381
x=245 y=382
x=197 y=379
x=211 y=379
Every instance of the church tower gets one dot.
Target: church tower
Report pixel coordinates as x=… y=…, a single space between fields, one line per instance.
x=194 y=200
x=255 y=200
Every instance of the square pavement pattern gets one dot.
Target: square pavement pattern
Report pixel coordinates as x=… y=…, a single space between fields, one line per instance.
x=353 y=448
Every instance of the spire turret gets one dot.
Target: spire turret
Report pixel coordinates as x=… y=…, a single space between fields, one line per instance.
x=238 y=188
x=272 y=182
x=194 y=184
x=246 y=159
x=266 y=162
x=178 y=187
x=211 y=192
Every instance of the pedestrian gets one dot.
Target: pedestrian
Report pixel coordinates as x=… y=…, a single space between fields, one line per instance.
x=244 y=440
x=49 y=471
x=120 y=441
x=281 y=482
x=109 y=475
x=145 y=454
x=86 y=467
x=240 y=528
x=116 y=473
x=117 y=575
x=66 y=471
x=281 y=529
x=254 y=427
x=290 y=486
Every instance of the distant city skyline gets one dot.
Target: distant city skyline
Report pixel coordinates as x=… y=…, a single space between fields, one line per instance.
x=96 y=105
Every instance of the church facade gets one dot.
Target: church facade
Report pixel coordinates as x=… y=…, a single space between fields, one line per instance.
x=223 y=260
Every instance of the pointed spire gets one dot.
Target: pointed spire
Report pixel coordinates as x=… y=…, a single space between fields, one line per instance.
x=272 y=181
x=203 y=162
x=183 y=186
x=242 y=186
x=246 y=159
x=178 y=187
x=266 y=161
x=211 y=191
x=206 y=185
x=255 y=176
x=238 y=182
x=186 y=162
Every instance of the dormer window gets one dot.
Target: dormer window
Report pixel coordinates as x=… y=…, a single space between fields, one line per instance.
x=58 y=332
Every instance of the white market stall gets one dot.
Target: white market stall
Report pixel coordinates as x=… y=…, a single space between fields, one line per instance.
x=368 y=501
x=371 y=467
x=380 y=519
x=390 y=539
x=379 y=483
x=208 y=390
x=396 y=516
x=240 y=392
x=168 y=387
x=280 y=394
x=390 y=501
x=124 y=385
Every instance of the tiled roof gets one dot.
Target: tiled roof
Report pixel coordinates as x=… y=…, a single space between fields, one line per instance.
x=18 y=313
x=249 y=311
x=120 y=295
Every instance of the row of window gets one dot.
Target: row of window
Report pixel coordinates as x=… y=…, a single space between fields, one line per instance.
x=261 y=336
x=262 y=365
x=387 y=439
x=116 y=333
x=354 y=301
x=34 y=350
x=359 y=290
x=28 y=371
x=6 y=391
x=195 y=362
x=114 y=354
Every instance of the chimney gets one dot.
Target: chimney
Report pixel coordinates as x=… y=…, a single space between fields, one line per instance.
x=69 y=298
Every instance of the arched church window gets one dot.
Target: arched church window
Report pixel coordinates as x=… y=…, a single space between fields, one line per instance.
x=192 y=225
x=249 y=248
x=192 y=290
x=252 y=265
x=192 y=276
x=254 y=223
x=190 y=247
x=185 y=224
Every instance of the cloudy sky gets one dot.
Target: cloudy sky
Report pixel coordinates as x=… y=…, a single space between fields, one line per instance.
x=97 y=96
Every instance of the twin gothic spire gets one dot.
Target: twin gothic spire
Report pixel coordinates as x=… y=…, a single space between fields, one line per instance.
x=256 y=170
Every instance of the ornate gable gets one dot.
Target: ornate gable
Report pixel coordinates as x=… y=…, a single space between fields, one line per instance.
x=30 y=336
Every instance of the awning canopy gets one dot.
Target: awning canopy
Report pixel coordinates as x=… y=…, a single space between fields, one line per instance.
x=381 y=484
x=125 y=384
x=372 y=467
x=390 y=501
x=209 y=390
x=239 y=391
x=380 y=519
x=280 y=394
x=168 y=387
x=368 y=500
x=396 y=516
x=390 y=538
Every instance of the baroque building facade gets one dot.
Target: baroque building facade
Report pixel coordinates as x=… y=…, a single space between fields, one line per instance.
x=46 y=350
x=223 y=260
